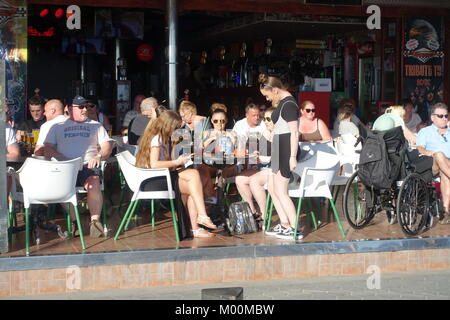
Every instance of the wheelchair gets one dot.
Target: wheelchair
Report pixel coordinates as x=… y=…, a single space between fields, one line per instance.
x=412 y=199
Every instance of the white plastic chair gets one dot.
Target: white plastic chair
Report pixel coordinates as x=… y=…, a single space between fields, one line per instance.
x=45 y=182
x=135 y=177
x=316 y=181
x=14 y=194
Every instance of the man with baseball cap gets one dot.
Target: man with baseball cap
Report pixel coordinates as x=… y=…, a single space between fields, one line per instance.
x=79 y=136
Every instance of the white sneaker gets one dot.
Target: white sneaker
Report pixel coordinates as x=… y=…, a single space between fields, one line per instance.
x=288 y=234
x=275 y=230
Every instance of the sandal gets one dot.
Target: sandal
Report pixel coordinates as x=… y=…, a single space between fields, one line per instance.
x=445 y=219
x=206 y=221
x=201 y=233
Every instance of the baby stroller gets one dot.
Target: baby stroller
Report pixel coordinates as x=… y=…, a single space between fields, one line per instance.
x=393 y=179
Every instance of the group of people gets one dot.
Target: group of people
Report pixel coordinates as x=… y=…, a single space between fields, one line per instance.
x=78 y=130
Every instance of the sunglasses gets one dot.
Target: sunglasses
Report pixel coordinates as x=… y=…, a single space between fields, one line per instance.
x=215 y=121
x=445 y=139
x=268 y=119
x=440 y=116
x=310 y=110
x=85 y=106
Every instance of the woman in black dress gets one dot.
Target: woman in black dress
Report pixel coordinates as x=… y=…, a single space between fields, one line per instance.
x=284 y=154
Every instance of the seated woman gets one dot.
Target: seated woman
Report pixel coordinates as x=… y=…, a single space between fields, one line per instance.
x=393 y=117
x=346 y=126
x=250 y=183
x=155 y=149
x=210 y=142
x=350 y=105
x=191 y=120
x=312 y=129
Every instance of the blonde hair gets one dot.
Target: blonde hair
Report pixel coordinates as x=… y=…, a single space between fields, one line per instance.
x=398 y=110
x=188 y=106
x=163 y=126
x=305 y=103
x=345 y=112
x=268 y=83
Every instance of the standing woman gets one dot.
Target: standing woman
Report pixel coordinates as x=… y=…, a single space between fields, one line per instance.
x=312 y=129
x=155 y=149
x=284 y=153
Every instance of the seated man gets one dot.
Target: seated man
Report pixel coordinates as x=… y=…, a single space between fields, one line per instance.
x=434 y=141
x=131 y=114
x=36 y=107
x=54 y=112
x=139 y=123
x=78 y=136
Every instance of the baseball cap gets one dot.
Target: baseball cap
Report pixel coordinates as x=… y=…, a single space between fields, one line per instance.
x=77 y=100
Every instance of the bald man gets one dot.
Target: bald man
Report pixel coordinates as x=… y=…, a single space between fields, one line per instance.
x=138 y=124
x=133 y=113
x=54 y=112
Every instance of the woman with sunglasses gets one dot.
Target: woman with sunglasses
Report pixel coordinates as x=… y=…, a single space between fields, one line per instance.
x=283 y=154
x=155 y=149
x=310 y=128
x=211 y=140
x=93 y=114
x=250 y=183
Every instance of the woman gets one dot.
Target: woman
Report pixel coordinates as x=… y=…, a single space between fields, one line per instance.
x=284 y=153
x=310 y=128
x=393 y=117
x=210 y=142
x=348 y=103
x=346 y=126
x=250 y=183
x=188 y=113
x=155 y=149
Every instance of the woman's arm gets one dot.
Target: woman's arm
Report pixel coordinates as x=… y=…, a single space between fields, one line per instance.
x=155 y=163
x=324 y=131
x=411 y=137
x=293 y=128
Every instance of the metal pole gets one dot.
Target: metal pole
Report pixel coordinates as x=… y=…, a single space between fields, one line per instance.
x=3 y=195
x=172 y=25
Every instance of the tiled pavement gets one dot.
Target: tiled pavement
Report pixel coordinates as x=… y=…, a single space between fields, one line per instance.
x=408 y=285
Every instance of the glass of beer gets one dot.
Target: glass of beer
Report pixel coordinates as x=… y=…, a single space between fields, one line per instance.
x=35 y=134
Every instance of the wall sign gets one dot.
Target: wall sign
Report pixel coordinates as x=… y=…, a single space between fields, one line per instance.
x=145 y=52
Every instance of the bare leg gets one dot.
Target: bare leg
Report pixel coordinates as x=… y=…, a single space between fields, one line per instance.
x=190 y=184
x=206 y=178
x=276 y=201
x=243 y=186
x=257 y=182
x=193 y=215
x=94 y=196
x=443 y=163
x=281 y=192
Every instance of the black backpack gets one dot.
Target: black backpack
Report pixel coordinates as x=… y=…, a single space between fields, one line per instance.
x=380 y=162
x=240 y=219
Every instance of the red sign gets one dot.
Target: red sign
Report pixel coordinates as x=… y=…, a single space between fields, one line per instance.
x=145 y=52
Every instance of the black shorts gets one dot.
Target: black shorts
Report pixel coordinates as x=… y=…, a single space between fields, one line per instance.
x=85 y=173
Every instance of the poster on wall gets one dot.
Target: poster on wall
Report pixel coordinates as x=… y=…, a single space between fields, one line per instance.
x=423 y=60
x=13 y=46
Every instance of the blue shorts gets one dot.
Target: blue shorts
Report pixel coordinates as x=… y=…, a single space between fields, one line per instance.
x=85 y=173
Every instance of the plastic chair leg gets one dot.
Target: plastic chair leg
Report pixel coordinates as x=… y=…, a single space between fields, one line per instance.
x=124 y=219
x=152 y=205
x=105 y=218
x=269 y=219
x=27 y=231
x=80 y=230
x=69 y=222
x=297 y=217
x=266 y=209
x=174 y=218
x=337 y=218
x=134 y=211
x=312 y=215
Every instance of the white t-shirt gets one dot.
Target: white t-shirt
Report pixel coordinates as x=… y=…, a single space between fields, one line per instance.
x=10 y=136
x=156 y=142
x=242 y=128
x=46 y=127
x=412 y=124
x=77 y=139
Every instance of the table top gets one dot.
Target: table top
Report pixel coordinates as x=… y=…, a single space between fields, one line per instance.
x=221 y=161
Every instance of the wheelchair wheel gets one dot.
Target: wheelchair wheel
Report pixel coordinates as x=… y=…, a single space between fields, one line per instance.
x=413 y=205
x=357 y=203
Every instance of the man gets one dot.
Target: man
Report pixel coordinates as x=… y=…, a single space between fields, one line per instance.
x=12 y=149
x=54 y=112
x=78 y=136
x=434 y=141
x=36 y=107
x=251 y=123
x=130 y=115
x=412 y=120
x=139 y=123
